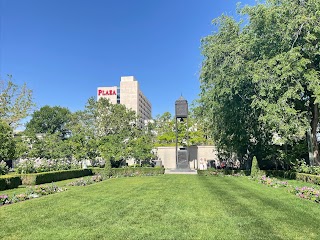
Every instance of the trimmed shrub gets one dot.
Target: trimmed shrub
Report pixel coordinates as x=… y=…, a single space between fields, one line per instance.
x=281 y=174
x=47 y=177
x=9 y=182
x=315 y=179
x=255 y=170
x=107 y=168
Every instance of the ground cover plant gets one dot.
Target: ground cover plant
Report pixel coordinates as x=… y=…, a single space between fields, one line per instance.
x=164 y=207
x=30 y=193
x=307 y=192
x=87 y=181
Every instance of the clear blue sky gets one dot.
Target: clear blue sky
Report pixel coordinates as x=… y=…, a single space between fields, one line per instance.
x=65 y=49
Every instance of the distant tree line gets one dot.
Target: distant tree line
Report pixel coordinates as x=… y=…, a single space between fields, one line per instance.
x=101 y=131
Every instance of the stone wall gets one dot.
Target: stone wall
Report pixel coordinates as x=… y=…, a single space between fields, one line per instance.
x=197 y=154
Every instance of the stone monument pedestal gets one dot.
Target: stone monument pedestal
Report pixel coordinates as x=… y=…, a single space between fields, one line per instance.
x=182 y=164
x=182 y=159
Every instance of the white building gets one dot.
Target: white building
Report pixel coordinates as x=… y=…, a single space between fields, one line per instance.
x=130 y=95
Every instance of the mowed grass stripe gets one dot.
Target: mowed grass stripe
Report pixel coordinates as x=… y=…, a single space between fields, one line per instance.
x=164 y=207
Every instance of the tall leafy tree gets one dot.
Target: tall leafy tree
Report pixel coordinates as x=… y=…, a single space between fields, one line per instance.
x=7 y=143
x=141 y=146
x=165 y=130
x=227 y=89
x=50 y=120
x=15 y=102
x=285 y=40
x=260 y=80
x=83 y=141
x=103 y=129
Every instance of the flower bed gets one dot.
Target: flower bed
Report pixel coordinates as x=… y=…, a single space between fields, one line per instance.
x=272 y=182
x=309 y=193
x=32 y=192
x=222 y=172
x=85 y=182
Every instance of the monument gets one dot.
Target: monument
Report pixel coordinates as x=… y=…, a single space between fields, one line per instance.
x=181 y=115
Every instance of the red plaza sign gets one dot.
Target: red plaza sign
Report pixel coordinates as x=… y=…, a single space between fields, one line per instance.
x=106 y=92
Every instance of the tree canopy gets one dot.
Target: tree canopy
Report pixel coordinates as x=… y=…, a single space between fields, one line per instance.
x=7 y=143
x=15 y=102
x=50 y=120
x=260 y=77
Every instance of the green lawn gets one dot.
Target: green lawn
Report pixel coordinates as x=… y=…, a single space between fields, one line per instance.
x=164 y=207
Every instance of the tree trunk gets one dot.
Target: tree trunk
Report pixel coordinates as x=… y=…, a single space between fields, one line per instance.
x=314 y=126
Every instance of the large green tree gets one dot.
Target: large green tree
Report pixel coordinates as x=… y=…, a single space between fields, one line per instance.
x=50 y=120
x=284 y=38
x=226 y=92
x=103 y=130
x=260 y=78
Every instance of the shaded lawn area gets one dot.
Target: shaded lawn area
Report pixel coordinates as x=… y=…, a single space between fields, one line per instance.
x=164 y=207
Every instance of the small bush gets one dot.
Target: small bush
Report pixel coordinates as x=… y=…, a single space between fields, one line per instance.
x=107 y=168
x=3 y=168
x=304 y=168
x=9 y=182
x=255 y=170
x=26 y=166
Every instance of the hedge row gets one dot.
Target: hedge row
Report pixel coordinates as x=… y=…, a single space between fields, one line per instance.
x=280 y=173
x=314 y=179
x=138 y=171
x=129 y=171
x=9 y=182
x=54 y=176
x=210 y=172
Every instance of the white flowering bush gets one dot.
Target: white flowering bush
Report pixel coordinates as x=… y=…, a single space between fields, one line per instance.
x=3 y=168
x=37 y=165
x=25 y=166
x=98 y=162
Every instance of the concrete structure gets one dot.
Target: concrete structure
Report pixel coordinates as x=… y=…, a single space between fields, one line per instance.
x=199 y=156
x=130 y=95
